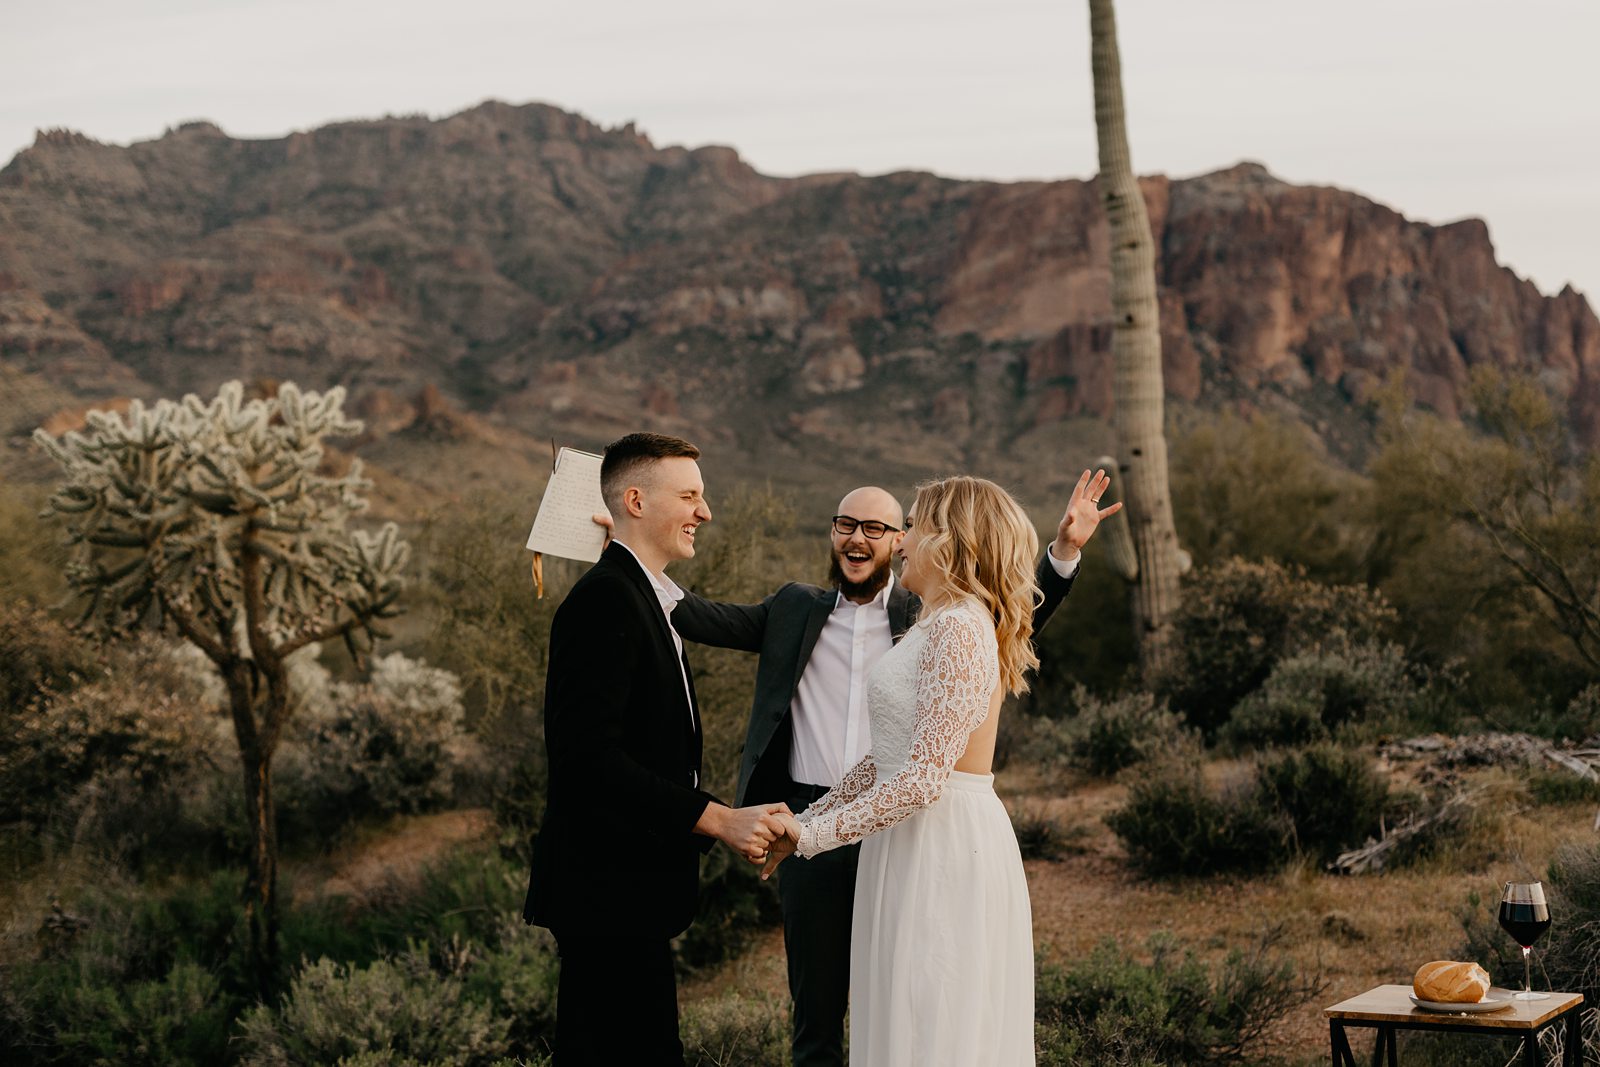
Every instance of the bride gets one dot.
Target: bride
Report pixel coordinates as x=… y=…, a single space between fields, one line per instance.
x=941 y=960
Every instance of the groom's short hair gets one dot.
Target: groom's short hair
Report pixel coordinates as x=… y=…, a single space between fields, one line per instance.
x=626 y=457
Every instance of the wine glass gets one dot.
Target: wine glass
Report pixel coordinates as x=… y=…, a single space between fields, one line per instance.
x=1525 y=916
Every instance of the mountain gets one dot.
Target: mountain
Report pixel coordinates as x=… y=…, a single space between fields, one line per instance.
x=542 y=276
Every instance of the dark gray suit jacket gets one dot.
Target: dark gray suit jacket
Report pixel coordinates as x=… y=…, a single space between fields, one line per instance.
x=784 y=628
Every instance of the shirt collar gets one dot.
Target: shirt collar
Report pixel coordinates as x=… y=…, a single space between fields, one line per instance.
x=879 y=601
x=667 y=590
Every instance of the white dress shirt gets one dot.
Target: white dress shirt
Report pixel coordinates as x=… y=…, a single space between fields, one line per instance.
x=829 y=710
x=668 y=593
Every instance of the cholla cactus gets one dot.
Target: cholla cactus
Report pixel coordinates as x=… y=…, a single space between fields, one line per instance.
x=215 y=520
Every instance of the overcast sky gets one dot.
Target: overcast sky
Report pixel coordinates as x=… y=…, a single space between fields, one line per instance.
x=1438 y=108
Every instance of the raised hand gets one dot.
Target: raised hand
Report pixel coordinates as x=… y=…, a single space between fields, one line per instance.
x=603 y=520
x=1083 y=515
x=781 y=848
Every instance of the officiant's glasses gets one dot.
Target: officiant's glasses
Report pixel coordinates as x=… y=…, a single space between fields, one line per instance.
x=872 y=529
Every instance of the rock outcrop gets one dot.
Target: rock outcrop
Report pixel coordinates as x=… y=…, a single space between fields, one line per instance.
x=527 y=265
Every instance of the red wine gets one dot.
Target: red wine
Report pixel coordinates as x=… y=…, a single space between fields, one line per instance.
x=1524 y=922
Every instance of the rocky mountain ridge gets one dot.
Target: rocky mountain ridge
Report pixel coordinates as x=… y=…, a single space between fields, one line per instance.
x=561 y=279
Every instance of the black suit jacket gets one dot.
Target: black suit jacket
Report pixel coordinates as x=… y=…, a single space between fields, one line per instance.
x=616 y=853
x=784 y=628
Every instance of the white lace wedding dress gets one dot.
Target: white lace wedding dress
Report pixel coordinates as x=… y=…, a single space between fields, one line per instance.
x=941 y=952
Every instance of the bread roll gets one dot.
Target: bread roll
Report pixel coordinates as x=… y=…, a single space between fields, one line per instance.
x=1450 y=982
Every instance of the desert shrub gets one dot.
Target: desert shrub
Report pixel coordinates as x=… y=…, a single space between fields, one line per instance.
x=401 y=1006
x=462 y=897
x=735 y=1031
x=103 y=762
x=734 y=906
x=33 y=560
x=467 y=908
x=1265 y=488
x=388 y=745
x=1174 y=824
x=1576 y=720
x=1333 y=797
x=114 y=973
x=181 y=1018
x=1110 y=1009
x=1040 y=836
x=1238 y=619
x=113 y=968
x=1104 y=736
x=1568 y=957
x=1312 y=694
x=39 y=656
x=1562 y=787
x=518 y=978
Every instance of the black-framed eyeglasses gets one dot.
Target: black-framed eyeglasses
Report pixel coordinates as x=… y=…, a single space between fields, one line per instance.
x=871 y=529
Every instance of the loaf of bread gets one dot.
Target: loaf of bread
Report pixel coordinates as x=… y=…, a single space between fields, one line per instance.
x=1450 y=982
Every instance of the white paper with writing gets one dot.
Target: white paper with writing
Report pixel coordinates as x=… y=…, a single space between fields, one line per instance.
x=565 y=524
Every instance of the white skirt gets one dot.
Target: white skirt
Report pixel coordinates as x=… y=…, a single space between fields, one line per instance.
x=941 y=950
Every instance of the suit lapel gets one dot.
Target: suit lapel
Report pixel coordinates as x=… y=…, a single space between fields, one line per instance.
x=903 y=608
x=625 y=561
x=821 y=608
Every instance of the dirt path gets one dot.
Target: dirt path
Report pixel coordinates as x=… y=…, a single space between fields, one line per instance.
x=393 y=862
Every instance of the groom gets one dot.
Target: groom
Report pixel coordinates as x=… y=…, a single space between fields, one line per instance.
x=623 y=738
x=808 y=723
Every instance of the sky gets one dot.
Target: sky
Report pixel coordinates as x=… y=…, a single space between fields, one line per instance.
x=1441 y=109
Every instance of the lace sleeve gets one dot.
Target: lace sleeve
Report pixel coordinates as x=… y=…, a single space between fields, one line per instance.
x=855 y=780
x=956 y=676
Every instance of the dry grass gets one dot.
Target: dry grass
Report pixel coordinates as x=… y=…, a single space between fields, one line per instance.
x=1354 y=932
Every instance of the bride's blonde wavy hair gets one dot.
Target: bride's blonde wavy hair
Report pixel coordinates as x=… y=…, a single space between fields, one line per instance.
x=978 y=541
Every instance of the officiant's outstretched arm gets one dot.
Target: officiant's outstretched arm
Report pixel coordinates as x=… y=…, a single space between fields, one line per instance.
x=616 y=862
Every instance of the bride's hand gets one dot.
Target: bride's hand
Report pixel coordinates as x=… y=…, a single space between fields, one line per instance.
x=783 y=847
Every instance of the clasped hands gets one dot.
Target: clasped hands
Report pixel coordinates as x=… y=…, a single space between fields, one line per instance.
x=762 y=833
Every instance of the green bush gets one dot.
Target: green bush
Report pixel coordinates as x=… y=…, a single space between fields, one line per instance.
x=1238 y=619
x=400 y=1006
x=385 y=746
x=1578 y=720
x=125 y=762
x=1041 y=837
x=1265 y=488
x=735 y=904
x=1109 y=1009
x=1568 y=957
x=735 y=1031
x=39 y=656
x=1316 y=801
x=1173 y=824
x=119 y=974
x=1562 y=787
x=33 y=559
x=181 y=1018
x=1310 y=695
x=1104 y=736
x=1333 y=797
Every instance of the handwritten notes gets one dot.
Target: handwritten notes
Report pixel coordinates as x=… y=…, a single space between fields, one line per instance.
x=564 y=525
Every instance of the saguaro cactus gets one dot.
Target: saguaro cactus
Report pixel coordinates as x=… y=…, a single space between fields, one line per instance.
x=218 y=522
x=1136 y=349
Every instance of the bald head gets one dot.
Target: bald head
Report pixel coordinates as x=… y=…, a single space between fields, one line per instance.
x=869 y=502
x=860 y=567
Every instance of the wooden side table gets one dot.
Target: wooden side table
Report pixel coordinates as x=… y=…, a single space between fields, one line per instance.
x=1388 y=1008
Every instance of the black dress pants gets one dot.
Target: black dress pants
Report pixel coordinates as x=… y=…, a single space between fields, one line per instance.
x=617 y=1003
x=818 y=897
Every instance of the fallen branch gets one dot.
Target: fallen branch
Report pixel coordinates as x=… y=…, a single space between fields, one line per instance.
x=1373 y=855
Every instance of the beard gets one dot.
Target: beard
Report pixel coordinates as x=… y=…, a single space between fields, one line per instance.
x=869 y=588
